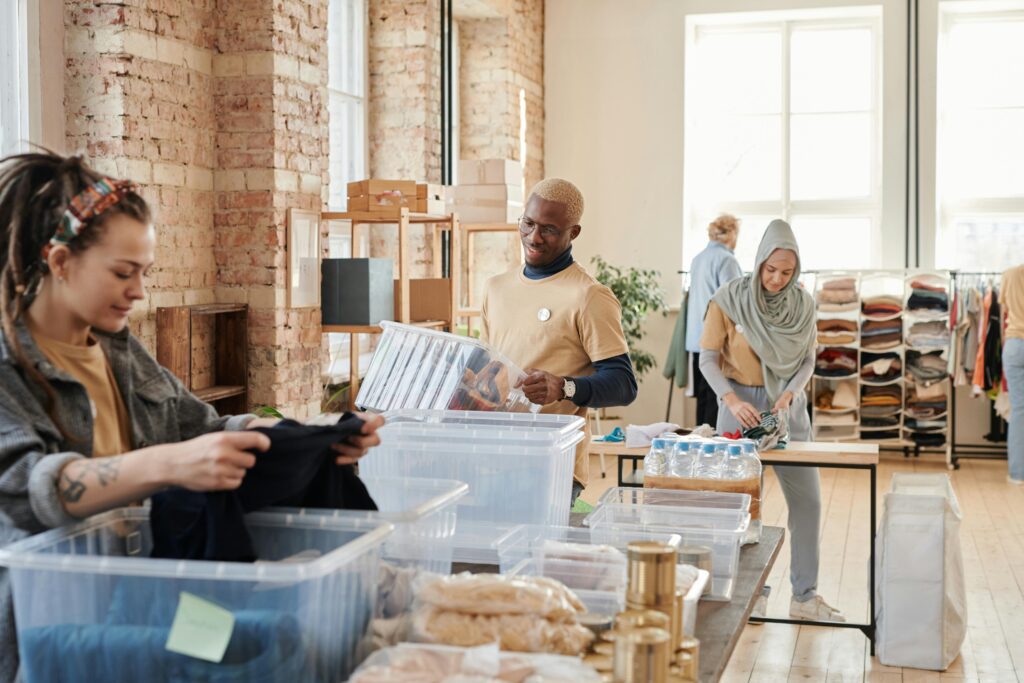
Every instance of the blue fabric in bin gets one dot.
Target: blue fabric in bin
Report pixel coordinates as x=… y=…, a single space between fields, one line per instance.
x=265 y=647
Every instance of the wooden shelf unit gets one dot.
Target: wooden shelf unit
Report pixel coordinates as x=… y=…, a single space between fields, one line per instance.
x=468 y=231
x=403 y=218
x=229 y=393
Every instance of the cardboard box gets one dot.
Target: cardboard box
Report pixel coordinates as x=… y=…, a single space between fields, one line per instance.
x=381 y=202
x=490 y=172
x=373 y=187
x=434 y=207
x=429 y=299
x=356 y=291
x=430 y=191
x=504 y=193
x=502 y=213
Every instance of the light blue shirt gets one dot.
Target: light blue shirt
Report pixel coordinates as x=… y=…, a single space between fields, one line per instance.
x=709 y=270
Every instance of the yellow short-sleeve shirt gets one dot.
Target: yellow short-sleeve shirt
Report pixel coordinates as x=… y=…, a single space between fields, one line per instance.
x=561 y=324
x=1011 y=296
x=739 y=361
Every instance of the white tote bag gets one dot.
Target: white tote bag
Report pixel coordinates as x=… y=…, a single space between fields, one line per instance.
x=920 y=598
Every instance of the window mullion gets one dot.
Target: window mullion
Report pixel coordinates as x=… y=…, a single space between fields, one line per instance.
x=786 y=29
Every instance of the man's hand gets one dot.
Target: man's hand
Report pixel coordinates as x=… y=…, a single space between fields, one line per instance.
x=542 y=387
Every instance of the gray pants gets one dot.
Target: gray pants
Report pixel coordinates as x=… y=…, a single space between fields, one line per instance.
x=800 y=486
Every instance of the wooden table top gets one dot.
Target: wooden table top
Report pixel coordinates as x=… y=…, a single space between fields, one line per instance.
x=719 y=624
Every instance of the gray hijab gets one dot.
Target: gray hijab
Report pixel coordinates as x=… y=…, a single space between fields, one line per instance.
x=779 y=327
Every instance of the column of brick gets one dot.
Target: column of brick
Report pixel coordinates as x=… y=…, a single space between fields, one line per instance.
x=138 y=105
x=270 y=80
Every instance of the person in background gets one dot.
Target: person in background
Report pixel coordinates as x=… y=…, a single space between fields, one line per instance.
x=1011 y=298
x=554 y=319
x=757 y=353
x=89 y=421
x=709 y=270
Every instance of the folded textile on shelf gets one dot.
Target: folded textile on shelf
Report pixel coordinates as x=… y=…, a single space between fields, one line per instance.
x=880 y=435
x=923 y=425
x=887 y=421
x=837 y=325
x=836 y=338
x=833 y=362
x=879 y=410
x=924 y=286
x=932 y=333
x=824 y=307
x=843 y=397
x=881 y=306
x=835 y=419
x=927 y=368
x=878 y=334
x=880 y=367
x=839 y=291
x=927 y=297
x=887 y=395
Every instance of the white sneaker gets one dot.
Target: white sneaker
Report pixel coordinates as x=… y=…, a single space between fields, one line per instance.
x=815 y=609
x=760 y=610
x=1015 y=482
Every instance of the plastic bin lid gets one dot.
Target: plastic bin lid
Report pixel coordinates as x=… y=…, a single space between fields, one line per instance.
x=33 y=552
x=624 y=495
x=443 y=492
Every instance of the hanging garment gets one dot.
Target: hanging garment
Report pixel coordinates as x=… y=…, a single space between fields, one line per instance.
x=978 y=378
x=994 y=344
x=298 y=470
x=677 y=365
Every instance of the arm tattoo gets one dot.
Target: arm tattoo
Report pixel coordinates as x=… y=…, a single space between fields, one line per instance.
x=105 y=469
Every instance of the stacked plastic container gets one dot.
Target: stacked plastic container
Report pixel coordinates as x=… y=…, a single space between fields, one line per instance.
x=423 y=512
x=414 y=367
x=91 y=605
x=695 y=464
x=590 y=561
x=518 y=467
x=712 y=522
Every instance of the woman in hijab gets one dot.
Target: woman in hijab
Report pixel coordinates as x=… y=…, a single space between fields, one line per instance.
x=757 y=353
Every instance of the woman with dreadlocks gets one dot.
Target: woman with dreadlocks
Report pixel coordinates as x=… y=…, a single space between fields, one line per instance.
x=88 y=420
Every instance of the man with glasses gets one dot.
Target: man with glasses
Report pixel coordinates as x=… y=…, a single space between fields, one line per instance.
x=556 y=321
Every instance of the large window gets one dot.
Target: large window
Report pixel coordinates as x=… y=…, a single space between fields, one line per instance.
x=783 y=121
x=980 y=138
x=14 y=129
x=346 y=93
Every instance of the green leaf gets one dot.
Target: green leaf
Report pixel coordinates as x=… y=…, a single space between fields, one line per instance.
x=639 y=295
x=268 y=411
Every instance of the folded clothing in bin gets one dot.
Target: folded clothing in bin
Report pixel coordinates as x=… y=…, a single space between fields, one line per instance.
x=265 y=647
x=298 y=470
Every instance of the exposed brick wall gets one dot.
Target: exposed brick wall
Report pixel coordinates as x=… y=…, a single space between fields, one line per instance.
x=217 y=108
x=500 y=58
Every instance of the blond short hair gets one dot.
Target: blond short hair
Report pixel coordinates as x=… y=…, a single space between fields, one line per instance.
x=563 y=192
x=723 y=227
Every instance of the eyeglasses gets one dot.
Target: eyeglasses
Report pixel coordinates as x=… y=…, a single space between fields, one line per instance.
x=527 y=226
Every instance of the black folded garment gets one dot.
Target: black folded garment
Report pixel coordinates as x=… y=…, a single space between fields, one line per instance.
x=928 y=438
x=297 y=471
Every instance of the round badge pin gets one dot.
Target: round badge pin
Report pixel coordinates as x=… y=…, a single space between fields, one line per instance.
x=544 y=315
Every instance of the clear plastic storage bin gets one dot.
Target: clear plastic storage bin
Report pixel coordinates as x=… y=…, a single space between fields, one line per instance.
x=518 y=466
x=591 y=562
x=717 y=521
x=414 y=367
x=92 y=606
x=423 y=512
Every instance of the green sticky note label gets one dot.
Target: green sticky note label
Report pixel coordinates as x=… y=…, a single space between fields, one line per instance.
x=201 y=629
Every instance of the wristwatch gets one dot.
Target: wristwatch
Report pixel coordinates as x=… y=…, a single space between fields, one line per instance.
x=569 y=388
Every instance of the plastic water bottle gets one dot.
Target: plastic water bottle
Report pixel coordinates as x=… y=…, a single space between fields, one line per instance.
x=683 y=456
x=706 y=466
x=735 y=464
x=656 y=460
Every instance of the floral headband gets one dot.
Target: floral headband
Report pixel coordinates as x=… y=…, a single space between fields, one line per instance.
x=89 y=203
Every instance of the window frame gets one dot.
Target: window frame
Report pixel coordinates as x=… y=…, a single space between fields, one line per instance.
x=15 y=119
x=950 y=210
x=786 y=21
x=359 y=98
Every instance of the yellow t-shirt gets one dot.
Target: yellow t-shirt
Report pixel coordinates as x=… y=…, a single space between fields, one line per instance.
x=1011 y=298
x=561 y=324
x=739 y=361
x=88 y=364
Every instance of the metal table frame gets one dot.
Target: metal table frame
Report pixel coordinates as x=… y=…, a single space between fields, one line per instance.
x=869 y=628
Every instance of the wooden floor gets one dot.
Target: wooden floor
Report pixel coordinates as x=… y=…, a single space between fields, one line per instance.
x=992 y=535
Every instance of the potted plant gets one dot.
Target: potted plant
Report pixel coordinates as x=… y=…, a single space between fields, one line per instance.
x=639 y=294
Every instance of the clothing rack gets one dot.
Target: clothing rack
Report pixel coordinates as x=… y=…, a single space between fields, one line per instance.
x=978 y=451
